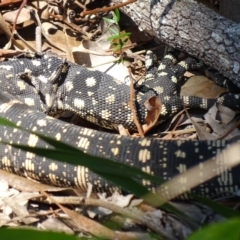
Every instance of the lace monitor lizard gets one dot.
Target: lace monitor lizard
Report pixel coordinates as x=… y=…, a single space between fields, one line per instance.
x=34 y=85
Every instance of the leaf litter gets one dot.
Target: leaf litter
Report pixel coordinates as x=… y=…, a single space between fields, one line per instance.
x=29 y=206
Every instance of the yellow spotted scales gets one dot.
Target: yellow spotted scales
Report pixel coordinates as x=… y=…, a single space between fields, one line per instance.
x=33 y=86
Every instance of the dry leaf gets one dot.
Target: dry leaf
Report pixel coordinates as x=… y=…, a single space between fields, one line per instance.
x=23 y=16
x=200 y=86
x=19 y=210
x=224 y=114
x=154 y=107
x=54 y=224
x=201 y=131
x=227 y=125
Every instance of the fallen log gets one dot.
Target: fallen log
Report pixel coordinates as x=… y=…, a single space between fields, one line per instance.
x=192 y=28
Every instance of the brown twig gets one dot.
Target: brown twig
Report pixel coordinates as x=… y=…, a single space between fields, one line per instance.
x=23 y=4
x=106 y=9
x=4 y=27
x=172 y=132
x=10 y=52
x=134 y=213
x=89 y=225
x=131 y=105
x=72 y=25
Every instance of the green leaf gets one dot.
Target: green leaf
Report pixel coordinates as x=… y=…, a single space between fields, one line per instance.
x=51 y=141
x=125 y=34
x=229 y=229
x=108 y=20
x=111 y=38
x=27 y=234
x=117 y=48
x=114 y=31
x=117 y=37
x=116 y=15
x=122 y=36
x=77 y=157
x=72 y=155
x=121 y=174
x=118 y=173
x=5 y=122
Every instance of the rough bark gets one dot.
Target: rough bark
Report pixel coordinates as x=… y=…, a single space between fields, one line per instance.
x=193 y=28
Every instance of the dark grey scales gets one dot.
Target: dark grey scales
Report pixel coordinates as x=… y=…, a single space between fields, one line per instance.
x=51 y=85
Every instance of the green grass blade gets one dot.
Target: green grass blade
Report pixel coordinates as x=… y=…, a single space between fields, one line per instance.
x=227 y=230
x=28 y=234
x=116 y=15
x=77 y=157
x=108 y=20
x=217 y=207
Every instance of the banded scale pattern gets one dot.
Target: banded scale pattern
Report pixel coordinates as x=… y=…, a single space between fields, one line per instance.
x=52 y=85
x=162 y=158
x=33 y=85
